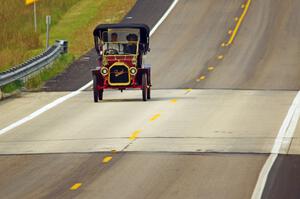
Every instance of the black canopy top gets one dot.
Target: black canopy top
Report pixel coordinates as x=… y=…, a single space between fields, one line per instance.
x=144 y=31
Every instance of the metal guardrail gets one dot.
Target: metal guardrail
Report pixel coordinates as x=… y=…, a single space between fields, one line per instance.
x=34 y=64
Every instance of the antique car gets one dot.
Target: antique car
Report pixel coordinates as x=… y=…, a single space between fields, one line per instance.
x=121 y=48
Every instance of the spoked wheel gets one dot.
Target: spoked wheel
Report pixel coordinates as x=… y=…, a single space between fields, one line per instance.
x=96 y=92
x=144 y=87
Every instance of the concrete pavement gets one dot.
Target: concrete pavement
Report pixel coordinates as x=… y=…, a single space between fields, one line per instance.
x=129 y=175
x=160 y=143
x=188 y=121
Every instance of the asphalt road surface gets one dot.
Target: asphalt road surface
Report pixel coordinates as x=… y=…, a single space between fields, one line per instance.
x=198 y=137
x=78 y=73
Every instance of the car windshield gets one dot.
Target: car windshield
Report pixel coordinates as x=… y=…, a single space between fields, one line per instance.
x=120 y=42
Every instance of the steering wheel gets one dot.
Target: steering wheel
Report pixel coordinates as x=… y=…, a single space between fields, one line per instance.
x=111 y=51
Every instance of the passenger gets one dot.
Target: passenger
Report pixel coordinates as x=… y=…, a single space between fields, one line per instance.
x=130 y=48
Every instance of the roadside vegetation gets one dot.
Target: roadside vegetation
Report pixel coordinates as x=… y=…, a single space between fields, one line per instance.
x=18 y=41
x=72 y=20
x=56 y=68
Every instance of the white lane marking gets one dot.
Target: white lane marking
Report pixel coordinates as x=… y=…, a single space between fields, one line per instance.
x=44 y=109
x=77 y=92
x=286 y=131
x=164 y=17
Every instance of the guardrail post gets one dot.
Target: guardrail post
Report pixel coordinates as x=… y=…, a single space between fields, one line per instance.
x=48 y=22
x=64 y=44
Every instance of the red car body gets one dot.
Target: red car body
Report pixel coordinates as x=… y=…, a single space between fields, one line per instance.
x=120 y=69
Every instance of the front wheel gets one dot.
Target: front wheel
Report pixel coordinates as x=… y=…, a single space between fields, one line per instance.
x=149 y=92
x=144 y=87
x=100 y=93
x=95 y=91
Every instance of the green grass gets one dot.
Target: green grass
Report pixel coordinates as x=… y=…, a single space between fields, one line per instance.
x=77 y=24
x=18 y=41
x=9 y=88
x=46 y=74
x=72 y=20
x=35 y=82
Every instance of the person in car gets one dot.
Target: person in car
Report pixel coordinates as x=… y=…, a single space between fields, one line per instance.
x=130 y=48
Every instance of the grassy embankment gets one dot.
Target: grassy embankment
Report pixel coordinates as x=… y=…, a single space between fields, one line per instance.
x=72 y=20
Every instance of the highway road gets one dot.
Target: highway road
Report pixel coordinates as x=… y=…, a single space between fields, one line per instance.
x=222 y=122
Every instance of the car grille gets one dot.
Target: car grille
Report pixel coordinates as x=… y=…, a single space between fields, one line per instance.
x=118 y=75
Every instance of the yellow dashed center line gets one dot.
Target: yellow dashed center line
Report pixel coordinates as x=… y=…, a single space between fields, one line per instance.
x=106 y=159
x=220 y=57
x=210 y=68
x=75 y=186
x=203 y=77
x=231 y=32
x=188 y=91
x=135 y=134
x=155 y=117
x=173 y=101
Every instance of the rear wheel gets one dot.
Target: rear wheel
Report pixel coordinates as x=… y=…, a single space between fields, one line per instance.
x=96 y=92
x=144 y=87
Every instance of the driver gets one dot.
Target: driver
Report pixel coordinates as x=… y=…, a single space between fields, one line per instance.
x=113 y=47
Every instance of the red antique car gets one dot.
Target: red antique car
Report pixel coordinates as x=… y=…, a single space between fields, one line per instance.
x=121 y=48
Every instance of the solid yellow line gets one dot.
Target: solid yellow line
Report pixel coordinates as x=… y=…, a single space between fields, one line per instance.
x=239 y=23
x=75 y=186
x=135 y=134
x=106 y=159
x=154 y=117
